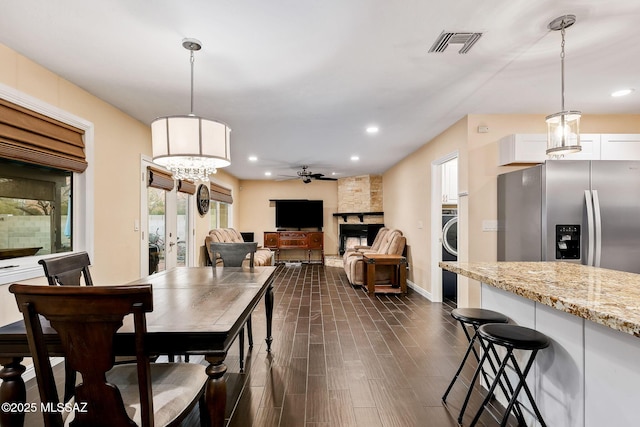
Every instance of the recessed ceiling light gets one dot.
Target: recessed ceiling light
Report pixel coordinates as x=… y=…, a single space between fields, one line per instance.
x=355 y=158
x=372 y=129
x=622 y=92
x=267 y=173
x=253 y=158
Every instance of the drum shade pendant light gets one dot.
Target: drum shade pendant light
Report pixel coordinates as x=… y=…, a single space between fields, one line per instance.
x=191 y=147
x=563 y=128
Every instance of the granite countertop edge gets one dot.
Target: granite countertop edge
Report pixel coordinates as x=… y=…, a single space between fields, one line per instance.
x=607 y=297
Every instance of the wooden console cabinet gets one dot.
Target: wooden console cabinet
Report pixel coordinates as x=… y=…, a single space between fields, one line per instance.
x=304 y=240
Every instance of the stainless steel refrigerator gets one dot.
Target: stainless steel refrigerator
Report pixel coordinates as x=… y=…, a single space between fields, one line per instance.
x=572 y=210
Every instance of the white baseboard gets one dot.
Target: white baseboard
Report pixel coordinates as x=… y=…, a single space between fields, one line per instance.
x=419 y=290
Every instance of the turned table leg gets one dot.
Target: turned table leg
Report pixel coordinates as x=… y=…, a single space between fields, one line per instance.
x=215 y=394
x=12 y=390
x=268 y=308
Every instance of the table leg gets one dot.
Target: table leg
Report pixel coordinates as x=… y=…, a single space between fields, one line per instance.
x=371 y=277
x=268 y=305
x=403 y=276
x=215 y=394
x=12 y=390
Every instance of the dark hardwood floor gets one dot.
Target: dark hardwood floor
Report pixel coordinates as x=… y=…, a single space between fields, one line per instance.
x=342 y=358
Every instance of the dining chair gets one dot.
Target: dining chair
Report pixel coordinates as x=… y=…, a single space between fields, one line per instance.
x=86 y=319
x=234 y=255
x=67 y=270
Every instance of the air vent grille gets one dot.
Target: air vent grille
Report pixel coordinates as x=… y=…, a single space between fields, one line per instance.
x=467 y=40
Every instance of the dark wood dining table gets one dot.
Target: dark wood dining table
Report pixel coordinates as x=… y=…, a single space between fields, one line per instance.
x=196 y=310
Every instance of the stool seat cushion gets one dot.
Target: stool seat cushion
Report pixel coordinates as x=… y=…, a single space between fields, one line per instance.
x=478 y=316
x=514 y=336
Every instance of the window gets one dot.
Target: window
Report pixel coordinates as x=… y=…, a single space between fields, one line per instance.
x=35 y=210
x=44 y=177
x=219 y=212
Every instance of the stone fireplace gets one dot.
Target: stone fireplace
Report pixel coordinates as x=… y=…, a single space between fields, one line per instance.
x=359 y=210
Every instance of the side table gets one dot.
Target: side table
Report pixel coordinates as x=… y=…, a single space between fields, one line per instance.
x=399 y=279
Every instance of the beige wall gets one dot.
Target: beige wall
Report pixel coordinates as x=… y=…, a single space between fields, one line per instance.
x=119 y=140
x=407 y=187
x=407 y=197
x=258 y=214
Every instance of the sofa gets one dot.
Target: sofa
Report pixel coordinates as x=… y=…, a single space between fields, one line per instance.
x=388 y=242
x=262 y=257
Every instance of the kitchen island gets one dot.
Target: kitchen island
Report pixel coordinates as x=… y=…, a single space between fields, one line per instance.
x=590 y=375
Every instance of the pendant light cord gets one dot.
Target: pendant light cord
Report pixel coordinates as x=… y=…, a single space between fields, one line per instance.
x=561 y=64
x=192 y=60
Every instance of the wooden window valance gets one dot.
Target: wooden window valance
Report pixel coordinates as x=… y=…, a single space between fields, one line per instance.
x=158 y=178
x=30 y=137
x=185 y=186
x=220 y=194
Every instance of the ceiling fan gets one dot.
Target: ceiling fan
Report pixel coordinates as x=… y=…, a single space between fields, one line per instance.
x=307 y=176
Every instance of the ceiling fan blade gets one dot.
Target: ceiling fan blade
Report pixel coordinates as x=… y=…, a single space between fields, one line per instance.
x=323 y=178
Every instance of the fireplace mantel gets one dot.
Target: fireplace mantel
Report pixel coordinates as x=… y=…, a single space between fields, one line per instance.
x=360 y=215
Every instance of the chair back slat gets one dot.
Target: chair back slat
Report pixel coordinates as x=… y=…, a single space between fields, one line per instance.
x=86 y=319
x=67 y=270
x=233 y=254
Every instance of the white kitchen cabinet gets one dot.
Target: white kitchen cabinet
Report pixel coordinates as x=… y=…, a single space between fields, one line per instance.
x=620 y=146
x=450 y=182
x=530 y=148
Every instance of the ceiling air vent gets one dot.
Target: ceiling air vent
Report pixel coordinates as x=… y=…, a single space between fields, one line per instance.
x=467 y=40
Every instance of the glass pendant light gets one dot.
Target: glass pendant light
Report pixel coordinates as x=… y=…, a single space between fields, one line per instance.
x=563 y=128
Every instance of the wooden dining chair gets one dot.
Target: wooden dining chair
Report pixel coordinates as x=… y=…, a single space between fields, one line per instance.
x=67 y=270
x=86 y=319
x=234 y=255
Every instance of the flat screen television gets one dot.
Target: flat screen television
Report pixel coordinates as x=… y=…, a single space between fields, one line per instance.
x=299 y=214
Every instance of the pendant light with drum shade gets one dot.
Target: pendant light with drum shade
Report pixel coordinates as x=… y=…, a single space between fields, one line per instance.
x=563 y=128
x=191 y=147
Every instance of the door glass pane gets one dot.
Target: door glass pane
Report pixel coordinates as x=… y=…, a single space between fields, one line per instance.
x=156 y=205
x=183 y=228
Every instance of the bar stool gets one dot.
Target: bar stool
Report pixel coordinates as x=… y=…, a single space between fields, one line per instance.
x=474 y=317
x=511 y=337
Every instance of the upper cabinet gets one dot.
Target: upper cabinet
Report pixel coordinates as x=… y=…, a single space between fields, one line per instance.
x=450 y=182
x=531 y=148
x=619 y=146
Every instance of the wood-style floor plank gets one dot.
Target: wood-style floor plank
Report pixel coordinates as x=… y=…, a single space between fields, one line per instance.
x=341 y=358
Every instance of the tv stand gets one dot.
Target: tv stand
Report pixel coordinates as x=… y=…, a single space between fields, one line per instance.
x=301 y=240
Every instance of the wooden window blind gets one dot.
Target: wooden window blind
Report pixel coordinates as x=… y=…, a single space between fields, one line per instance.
x=185 y=186
x=220 y=194
x=30 y=137
x=158 y=178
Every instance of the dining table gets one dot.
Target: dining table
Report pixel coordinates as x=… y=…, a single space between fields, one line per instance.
x=196 y=311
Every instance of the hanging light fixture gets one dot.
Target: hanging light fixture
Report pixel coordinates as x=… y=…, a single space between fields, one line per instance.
x=191 y=147
x=563 y=128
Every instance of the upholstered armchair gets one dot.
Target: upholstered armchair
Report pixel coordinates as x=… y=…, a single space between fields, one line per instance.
x=391 y=243
x=263 y=256
x=373 y=248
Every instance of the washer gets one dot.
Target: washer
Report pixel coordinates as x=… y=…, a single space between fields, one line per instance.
x=449 y=253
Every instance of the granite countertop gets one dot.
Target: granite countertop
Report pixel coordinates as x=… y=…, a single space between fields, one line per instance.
x=608 y=297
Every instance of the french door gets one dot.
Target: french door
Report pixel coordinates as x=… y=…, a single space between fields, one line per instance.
x=165 y=224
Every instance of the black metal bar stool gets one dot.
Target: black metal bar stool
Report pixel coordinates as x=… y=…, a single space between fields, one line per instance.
x=474 y=317
x=511 y=337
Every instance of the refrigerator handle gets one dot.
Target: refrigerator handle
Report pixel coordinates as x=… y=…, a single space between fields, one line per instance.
x=597 y=216
x=590 y=226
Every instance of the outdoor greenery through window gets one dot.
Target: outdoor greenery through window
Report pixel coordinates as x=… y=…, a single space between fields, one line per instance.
x=35 y=210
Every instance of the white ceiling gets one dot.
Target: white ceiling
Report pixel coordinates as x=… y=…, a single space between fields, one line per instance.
x=298 y=81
